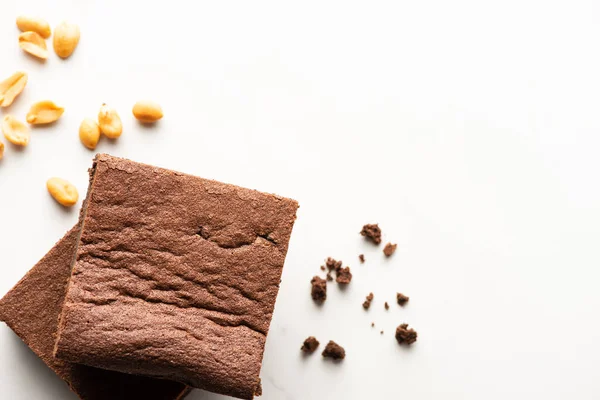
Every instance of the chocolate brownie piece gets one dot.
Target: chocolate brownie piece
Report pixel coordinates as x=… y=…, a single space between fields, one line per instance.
x=175 y=277
x=368 y=300
x=332 y=264
x=372 y=232
x=31 y=310
x=386 y=305
x=310 y=344
x=389 y=249
x=361 y=258
x=343 y=275
x=402 y=299
x=405 y=335
x=319 y=289
x=334 y=351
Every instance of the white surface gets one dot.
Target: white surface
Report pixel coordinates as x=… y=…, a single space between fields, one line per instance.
x=468 y=129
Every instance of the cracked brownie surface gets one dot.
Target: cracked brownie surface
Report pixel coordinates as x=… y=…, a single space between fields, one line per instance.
x=31 y=310
x=175 y=277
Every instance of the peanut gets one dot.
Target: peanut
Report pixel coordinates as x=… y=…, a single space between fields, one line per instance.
x=66 y=38
x=34 y=44
x=89 y=133
x=62 y=191
x=109 y=122
x=147 y=111
x=1 y=150
x=11 y=87
x=15 y=131
x=37 y=25
x=44 y=112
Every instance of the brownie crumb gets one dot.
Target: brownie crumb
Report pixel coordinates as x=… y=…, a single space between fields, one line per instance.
x=372 y=324
x=329 y=277
x=405 y=335
x=402 y=299
x=332 y=264
x=258 y=390
x=322 y=268
x=319 y=289
x=367 y=302
x=344 y=276
x=389 y=249
x=386 y=305
x=372 y=232
x=310 y=345
x=381 y=332
x=334 y=351
x=361 y=257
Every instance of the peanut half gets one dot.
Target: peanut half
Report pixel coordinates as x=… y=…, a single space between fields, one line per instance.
x=147 y=111
x=34 y=44
x=15 y=131
x=62 y=191
x=66 y=38
x=1 y=150
x=110 y=122
x=44 y=112
x=11 y=87
x=37 y=25
x=89 y=133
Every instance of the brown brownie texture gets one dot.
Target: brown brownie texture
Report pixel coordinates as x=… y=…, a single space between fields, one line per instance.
x=386 y=305
x=310 y=345
x=334 y=351
x=318 y=290
x=368 y=300
x=332 y=264
x=402 y=299
x=405 y=335
x=361 y=258
x=372 y=232
x=175 y=277
x=389 y=249
x=31 y=310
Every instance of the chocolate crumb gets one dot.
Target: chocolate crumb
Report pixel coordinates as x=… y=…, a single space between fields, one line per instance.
x=405 y=335
x=329 y=277
x=367 y=302
x=389 y=249
x=319 y=289
x=344 y=276
x=386 y=305
x=332 y=264
x=334 y=351
x=372 y=324
x=372 y=232
x=310 y=345
x=322 y=268
x=402 y=299
x=381 y=332
x=361 y=257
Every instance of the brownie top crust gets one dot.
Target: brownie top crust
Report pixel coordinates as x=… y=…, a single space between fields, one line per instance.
x=175 y=277
x=31 y=309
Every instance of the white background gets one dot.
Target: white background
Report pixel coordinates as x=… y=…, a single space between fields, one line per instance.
x=468 y=129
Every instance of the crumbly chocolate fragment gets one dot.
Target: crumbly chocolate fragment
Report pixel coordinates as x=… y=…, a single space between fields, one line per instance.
x=372 y=324
x=329 y=276
x=175 y=276
x=334 y=351
x=343 y=276
x=31 y=309
x=405 y=335
x=319 y=289
x=361 y=257
x=386 y=305
x=322 y=268
x=310 y=345
x=372 y=232
x=389 y=249
x=258 y=390
x=381 y=332
x=333 y=265
x=402 y=299
x=367 y=302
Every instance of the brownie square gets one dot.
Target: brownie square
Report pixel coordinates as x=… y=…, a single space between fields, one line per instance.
x=175 y=277
x=31 y=309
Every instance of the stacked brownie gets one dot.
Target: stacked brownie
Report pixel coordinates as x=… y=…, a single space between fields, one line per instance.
x=169 y=281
